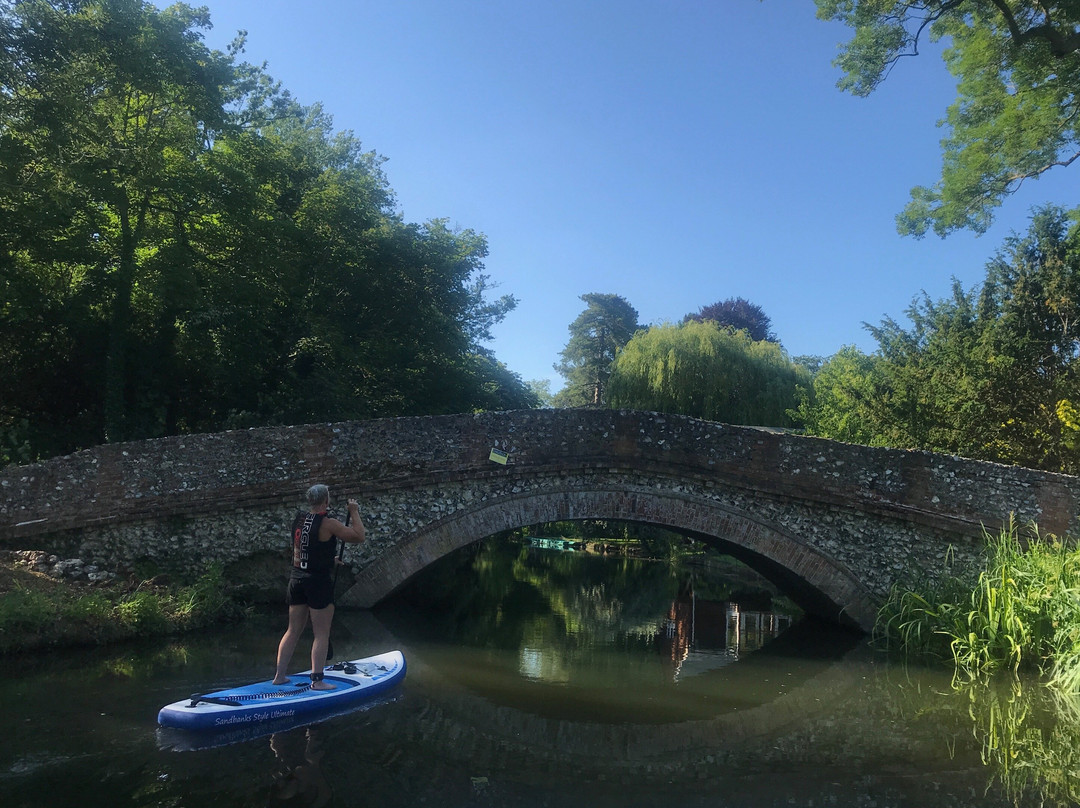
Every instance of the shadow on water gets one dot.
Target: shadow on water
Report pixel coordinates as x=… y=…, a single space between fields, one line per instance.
x=532 y=683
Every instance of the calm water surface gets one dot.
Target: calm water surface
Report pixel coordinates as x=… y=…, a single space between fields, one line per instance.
x=547 y=678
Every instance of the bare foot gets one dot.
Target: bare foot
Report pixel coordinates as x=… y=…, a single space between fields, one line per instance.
x=322 y=686
x=282 y=682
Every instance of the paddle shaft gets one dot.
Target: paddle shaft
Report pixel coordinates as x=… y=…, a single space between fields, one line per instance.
x=340 y=556
x=341 y=551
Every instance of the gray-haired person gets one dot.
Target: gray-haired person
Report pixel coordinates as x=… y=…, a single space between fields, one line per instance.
x=311 y=584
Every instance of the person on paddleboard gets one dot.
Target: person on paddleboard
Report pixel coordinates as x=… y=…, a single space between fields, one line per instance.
x=311 y=584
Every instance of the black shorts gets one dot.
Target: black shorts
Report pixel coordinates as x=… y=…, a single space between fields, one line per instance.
x=314 y=591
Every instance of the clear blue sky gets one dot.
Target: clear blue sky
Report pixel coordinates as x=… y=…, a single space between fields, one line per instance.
x=676 y=153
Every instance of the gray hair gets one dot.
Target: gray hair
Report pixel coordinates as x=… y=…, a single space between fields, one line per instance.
x=318 y=494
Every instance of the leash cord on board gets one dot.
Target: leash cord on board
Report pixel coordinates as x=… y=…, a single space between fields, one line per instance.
x=235 y=701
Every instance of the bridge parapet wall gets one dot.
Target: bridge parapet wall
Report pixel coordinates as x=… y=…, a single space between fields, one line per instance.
x=201 y=474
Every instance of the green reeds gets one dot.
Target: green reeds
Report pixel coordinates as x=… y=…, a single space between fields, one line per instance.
x=1022 y=611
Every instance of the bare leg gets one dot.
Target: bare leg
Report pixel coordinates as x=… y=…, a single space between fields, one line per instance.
x=298 y=617
x=320 y=624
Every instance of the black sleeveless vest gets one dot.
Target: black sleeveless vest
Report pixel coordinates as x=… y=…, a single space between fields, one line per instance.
x=309 y=554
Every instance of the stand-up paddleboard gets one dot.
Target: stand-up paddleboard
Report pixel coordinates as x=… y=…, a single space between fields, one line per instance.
x=186 y=740
x=256 y=703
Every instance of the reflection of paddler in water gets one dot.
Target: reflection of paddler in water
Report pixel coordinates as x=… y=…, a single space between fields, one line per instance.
x=676 y=640
x=301 y=783
x=311 y=585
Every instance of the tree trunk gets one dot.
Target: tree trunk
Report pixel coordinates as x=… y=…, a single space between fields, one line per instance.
x=116 y=365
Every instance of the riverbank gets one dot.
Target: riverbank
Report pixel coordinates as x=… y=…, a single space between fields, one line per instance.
x=39 y=610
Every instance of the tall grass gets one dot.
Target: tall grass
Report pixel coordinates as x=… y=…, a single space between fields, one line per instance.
x=1021 y=611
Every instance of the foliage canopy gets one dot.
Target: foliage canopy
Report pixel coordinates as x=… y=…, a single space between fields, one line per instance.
x=737 y=314
x=992 y=373
x=707 y=371
x=1015 y=117
x=185 y=247
x=596 y=335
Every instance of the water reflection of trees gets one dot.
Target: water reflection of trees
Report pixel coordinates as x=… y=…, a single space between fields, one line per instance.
x=552 y=608
x=556 y=607
x=497 y=593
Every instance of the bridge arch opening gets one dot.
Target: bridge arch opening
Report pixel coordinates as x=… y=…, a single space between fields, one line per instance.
x=818 y=584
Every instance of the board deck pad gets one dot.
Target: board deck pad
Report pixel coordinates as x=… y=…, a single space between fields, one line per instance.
x=354 y=681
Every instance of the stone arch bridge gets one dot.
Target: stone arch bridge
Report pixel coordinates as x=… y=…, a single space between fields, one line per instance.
x=835 y=525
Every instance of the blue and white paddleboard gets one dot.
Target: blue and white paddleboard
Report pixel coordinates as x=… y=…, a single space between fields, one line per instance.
x=262 y=702
x=187 y=740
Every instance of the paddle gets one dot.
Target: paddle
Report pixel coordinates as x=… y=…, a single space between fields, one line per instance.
x=340 y=556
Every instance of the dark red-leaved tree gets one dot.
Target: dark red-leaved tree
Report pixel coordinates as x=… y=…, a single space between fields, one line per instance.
x=739 y=315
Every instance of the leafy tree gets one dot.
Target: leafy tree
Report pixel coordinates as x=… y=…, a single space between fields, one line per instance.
x=924 y=388
x=1031 y=349
x=737 y=314
x=606 y=325
x=541 y=388
x=184 y=247
x=842 y=403
x=930 y=383
x=104 y=107
x=991 y=374
x=706 y=371
x=811 y=362
x=1015 y=114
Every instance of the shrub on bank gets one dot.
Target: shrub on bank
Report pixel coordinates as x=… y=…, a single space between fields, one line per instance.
x=1021 y=611
x=66 y=615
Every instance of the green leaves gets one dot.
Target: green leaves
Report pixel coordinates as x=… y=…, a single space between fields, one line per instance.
x=991 y=373
x=599 y=332
x=704 y=370
x=843 y=401
x=1022 y=611
x=187 y=248
x=1016 y=111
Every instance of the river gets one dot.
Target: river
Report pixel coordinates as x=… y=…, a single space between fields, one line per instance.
x=542 y=676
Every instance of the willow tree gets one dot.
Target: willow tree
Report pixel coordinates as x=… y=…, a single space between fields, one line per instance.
x=1015 y=116
x=707 y=371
